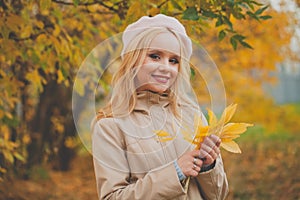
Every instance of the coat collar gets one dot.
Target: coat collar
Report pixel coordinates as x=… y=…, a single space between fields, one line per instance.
x=146 y=99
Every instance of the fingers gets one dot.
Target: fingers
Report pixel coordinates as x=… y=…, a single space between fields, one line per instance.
x=209 y=150
x=197 y=161
x=212 y=141
x=195 y=153
x=190 y=164
x=215 y=139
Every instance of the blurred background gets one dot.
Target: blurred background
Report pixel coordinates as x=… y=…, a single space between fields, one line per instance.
x=255 y=45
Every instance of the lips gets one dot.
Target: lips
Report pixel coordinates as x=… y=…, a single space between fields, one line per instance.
x=161 y=79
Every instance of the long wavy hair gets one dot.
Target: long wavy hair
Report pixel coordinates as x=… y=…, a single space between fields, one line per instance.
x=124 y=95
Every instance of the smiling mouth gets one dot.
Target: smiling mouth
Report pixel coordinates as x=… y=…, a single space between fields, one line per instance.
x=161 y=79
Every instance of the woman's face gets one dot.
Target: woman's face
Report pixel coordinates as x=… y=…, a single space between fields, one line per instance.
x=160 y=67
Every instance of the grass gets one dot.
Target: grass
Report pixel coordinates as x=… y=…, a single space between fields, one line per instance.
x=267 y=168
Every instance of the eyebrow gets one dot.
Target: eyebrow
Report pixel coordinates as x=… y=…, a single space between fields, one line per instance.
x=162 y=52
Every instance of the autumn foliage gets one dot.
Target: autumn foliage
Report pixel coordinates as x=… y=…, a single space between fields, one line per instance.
x=42 y=44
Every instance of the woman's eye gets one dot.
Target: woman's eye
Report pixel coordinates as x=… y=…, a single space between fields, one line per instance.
x=154 y=56
x=174 y=61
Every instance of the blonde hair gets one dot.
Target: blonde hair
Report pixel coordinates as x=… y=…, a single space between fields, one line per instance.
x=124 y=88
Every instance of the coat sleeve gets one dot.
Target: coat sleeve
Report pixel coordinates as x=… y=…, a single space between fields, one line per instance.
x=213 y=184
x=113 y=176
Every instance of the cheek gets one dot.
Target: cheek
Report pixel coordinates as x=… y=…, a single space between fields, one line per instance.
x=146 y=70
x=174 y=73
x=142 y=76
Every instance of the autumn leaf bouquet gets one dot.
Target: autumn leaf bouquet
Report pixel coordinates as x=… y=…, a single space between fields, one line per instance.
x=227 y=131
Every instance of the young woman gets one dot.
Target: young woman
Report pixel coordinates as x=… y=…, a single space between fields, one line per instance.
x=151 y=93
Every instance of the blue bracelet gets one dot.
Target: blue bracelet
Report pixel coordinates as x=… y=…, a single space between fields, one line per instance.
x=180 y=175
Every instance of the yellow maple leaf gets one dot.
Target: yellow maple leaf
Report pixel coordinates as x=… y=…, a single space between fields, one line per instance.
x=231 y=146
x=226 y=131
x=228 y=113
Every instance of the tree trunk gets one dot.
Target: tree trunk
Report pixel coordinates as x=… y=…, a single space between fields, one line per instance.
x=48 y=144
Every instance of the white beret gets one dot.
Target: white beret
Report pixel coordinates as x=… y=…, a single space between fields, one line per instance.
x=158 y=21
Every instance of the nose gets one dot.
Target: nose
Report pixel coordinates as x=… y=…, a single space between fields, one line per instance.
x=164 y=64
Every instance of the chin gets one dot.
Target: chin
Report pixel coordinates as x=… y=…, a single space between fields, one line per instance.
x=159 y=89
x=154 y=88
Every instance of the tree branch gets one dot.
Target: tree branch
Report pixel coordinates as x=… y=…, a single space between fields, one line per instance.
x=72 y=4
x=31 y=37
x=108 y=7
x=161 y=4
x=111 y=8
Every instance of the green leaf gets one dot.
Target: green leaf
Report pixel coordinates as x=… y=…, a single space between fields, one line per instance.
x=250 y=5
x=265 y=17
x=219 y=21
x=230 y=3
x=230 y=31
x=233 y=42
x=190 y=14
x=245 y=44
x=228 y=22
x=210 y=14
x=222 y=34
x=261 y=10
x=239 y=37
x=176 y=5
x=76 y=2
x=252 y=15
x=193 y=73
x=238 y=15
x=256 y=3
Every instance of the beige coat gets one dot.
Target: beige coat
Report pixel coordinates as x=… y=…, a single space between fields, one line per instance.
x=132 y=163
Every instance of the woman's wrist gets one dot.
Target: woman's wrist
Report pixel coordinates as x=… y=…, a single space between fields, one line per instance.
x=205 y=168
x=180 y=174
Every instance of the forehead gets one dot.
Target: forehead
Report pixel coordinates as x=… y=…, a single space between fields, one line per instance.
x=166 y=42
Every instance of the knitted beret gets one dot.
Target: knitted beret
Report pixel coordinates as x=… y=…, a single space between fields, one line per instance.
x=158 y=21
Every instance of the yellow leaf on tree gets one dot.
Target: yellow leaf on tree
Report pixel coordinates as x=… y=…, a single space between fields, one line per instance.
x=39 y=24
x=36 y=79
x=60 y=77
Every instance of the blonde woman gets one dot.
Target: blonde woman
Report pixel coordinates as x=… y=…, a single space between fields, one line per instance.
x=151 y=92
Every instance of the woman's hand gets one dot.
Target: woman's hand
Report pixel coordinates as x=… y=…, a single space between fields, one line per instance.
x=210 y=149
x=189 y=163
